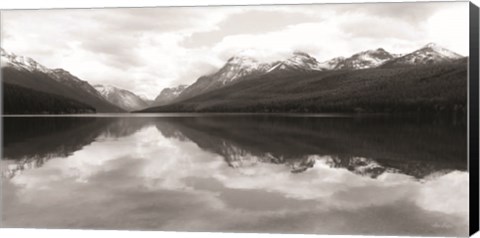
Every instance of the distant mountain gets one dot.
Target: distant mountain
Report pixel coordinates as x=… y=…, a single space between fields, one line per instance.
x=27 y=73
x=425 y=88
x=331 y=64
x=429 y=54
x=21 y=62
x=239 y=68
x=121 y=97
x=168 y=95
x=298 y=62
x=364 y=60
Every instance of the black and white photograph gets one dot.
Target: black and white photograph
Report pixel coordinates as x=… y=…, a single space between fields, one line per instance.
x=328 y=119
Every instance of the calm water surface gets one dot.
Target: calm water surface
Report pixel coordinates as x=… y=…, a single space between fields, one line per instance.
x=237 y=173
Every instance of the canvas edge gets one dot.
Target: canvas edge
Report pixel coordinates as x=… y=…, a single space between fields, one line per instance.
x=473 y=118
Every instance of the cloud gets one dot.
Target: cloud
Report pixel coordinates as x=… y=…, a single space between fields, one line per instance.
x=146 y=49
x=248 y=22
x=411 y=13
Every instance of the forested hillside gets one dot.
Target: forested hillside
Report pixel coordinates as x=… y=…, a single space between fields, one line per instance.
x=21 y=100
x=425 y=88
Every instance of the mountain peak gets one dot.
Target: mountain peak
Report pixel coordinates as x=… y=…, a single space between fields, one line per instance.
x=301 y=53
x=299 y=61
x=376 y=51
x=431 y=53
x=59 y=70
x=168 y=95
x=21 y=62
x=363 y=60
x=430 y=45
x=240 y=59
x=180 y=87
x=104 y=86
x=121 y=97
x=441 y=51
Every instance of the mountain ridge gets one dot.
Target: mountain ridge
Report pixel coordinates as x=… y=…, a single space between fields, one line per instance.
x=297 y=66
x=431 y=53
x=28 y=73
x=168 y=95
x=435 y=88
x=239 y=68
x=365 y=59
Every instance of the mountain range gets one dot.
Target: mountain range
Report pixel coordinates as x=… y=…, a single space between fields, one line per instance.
x=429 y=78
x=371 y=80
x=45 y=90
x=429 y=54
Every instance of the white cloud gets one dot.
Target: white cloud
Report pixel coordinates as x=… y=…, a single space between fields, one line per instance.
x=450 y=27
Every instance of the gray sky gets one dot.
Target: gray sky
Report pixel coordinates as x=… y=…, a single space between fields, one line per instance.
x=146 y=49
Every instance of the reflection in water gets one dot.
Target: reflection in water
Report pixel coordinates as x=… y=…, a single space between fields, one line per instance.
x=245 y=173
x=412 y=147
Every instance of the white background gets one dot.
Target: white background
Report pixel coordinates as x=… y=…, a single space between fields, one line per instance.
x=35 y=4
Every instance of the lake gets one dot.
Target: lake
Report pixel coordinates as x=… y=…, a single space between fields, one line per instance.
x=323 y=174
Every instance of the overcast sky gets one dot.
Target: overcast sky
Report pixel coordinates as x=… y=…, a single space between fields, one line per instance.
x=146 y=49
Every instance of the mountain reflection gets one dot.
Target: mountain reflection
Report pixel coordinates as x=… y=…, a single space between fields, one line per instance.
x=246 y=173
x=31 y=141
x=366 y=146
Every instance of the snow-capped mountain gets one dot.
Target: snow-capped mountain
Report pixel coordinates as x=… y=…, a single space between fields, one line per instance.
x=168 y=95
x=300 y=61
x=59 y=75
x=243 y=67
x=21 y=62
x=429 y=54
x=363 y=60
x=331 y=64
x=28 y=73
x=122 y=98
x=240 y=66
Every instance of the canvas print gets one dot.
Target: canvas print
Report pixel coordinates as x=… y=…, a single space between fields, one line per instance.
x=312 y=119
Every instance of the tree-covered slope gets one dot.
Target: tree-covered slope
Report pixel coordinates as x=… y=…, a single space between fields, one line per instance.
x=75 y=90
x=21 y=100
x=425 y=88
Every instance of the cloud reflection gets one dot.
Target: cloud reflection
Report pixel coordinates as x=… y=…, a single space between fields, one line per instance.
x=148 y=181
